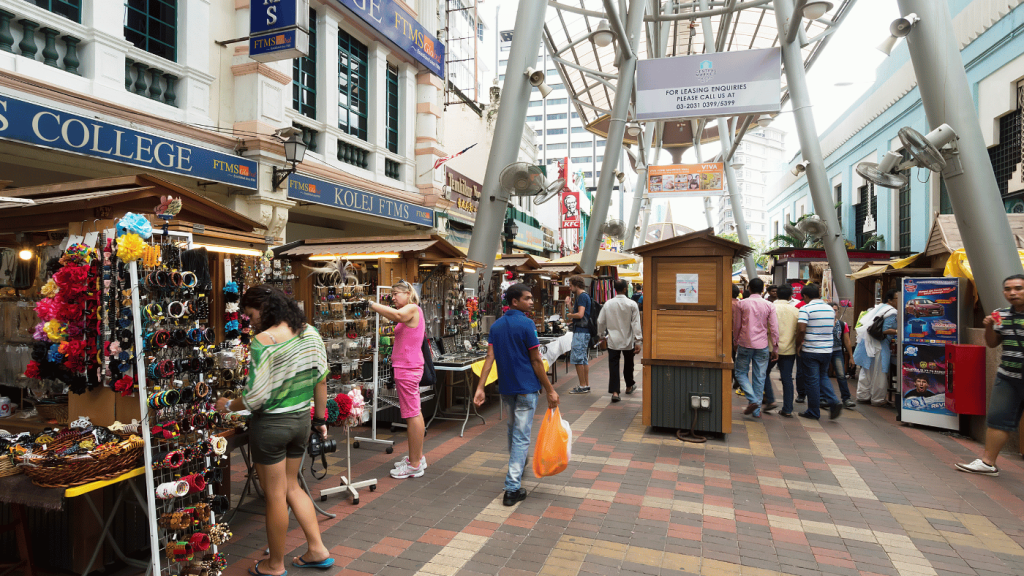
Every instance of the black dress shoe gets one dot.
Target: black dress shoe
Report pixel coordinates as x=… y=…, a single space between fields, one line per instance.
x=835 y=410
x=511 y=498
x=800 y=399
x=807 y=415
x=786 y=414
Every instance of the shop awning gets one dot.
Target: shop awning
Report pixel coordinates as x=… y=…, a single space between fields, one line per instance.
x=438 y=248
x=560 y=268
x=59 y=204
x=604 y=258
x=522 y=262
x=869 y=270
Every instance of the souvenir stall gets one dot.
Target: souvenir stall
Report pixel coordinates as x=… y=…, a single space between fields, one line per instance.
x=137 y=332
x=331 y=276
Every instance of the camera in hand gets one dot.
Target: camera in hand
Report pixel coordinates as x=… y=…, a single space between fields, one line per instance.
x=319 y=446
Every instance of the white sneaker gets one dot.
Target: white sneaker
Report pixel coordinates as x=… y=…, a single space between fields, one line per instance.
x=404 y=470
x=978 y=467
x=405 y=460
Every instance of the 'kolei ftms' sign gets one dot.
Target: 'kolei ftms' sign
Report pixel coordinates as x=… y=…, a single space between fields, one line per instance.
x=709 y=85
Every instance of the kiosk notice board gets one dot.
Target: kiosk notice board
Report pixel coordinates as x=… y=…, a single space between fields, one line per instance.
x=931 y=314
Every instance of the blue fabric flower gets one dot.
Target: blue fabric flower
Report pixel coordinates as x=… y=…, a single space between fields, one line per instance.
x=54 y=355
x=136 y=224
x=232 y=325
x=231 y=288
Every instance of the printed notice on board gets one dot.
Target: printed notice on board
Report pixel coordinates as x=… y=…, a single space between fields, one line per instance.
x=686 y=288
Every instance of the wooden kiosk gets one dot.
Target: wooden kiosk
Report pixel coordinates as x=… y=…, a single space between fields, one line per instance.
x=687 y=324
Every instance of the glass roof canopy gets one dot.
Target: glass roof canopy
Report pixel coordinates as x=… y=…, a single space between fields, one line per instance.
x=589 y=71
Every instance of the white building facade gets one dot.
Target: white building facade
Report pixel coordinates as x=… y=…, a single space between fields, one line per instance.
x=174 y=72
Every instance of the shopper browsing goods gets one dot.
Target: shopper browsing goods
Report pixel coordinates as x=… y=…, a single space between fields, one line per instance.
x=288 y=370
x=513 y=344
x=407 y=361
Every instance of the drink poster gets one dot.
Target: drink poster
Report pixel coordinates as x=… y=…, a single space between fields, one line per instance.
x=930 y=307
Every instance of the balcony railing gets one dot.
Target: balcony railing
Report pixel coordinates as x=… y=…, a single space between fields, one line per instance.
x=30 y=47
x=354 y=155
x=150 y=82
x=392 y=169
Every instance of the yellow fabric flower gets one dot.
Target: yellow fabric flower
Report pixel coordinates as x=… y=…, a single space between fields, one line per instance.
x=49 y=289
x=54 y=330
x=130 y=247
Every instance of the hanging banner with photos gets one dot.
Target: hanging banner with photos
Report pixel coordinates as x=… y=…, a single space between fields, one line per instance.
x=686 y=180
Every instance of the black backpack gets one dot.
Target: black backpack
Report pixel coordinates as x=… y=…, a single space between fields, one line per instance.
x=429 y=375
x=595 y=311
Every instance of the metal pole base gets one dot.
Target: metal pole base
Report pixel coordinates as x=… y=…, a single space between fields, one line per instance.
x=350 y=488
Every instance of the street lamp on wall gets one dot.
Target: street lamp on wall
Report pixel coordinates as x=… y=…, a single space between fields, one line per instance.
x=294 y=152
x=511 y=229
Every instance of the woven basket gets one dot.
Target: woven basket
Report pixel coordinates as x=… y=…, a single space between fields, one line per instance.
x=58 y=412
x=7 y=467
x=48 y=469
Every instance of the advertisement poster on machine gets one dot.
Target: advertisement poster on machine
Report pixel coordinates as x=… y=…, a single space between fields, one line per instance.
x=929 y=319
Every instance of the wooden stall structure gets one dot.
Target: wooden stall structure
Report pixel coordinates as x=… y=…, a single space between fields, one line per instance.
x=687 y=324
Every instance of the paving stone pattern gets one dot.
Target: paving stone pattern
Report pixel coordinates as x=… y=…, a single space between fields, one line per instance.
x=860 y=496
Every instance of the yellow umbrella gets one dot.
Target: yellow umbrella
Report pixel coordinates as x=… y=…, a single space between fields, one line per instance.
x=604 y=258
x=493 y=376
x=629 y=274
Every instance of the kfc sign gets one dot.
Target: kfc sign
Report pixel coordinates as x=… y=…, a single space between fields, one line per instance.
x=570 y=209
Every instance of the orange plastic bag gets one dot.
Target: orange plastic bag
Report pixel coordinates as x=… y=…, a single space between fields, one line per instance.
x=554 y=445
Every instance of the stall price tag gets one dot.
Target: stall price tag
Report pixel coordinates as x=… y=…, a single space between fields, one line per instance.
x=90 y=239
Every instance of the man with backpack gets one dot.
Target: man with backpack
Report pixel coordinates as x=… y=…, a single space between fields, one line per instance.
x=872 y=353
x=581 y=331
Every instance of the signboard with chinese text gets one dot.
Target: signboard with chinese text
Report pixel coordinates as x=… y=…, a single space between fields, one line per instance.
x=465 y=195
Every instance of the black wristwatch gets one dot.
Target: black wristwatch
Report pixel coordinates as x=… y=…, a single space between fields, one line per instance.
x=319 y=422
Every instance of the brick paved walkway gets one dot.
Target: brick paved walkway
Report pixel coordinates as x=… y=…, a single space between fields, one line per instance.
x=861 y=495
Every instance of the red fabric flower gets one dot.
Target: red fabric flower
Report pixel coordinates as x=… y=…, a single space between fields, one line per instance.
x=125 y=385
x=72 y=279
x=231 y=316
x=32 y=370
x=76 y=329
x=344 y=407
x=70 y=312
x=47 y=309
x=74 y=355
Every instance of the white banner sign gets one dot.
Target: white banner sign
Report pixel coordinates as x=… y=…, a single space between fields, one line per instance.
x=703 y=86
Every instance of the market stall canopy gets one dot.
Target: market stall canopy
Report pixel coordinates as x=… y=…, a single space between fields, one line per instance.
x=521 y=262
x=58 y=204
x=604 y=258
x=869 y=269
x=426 y=247
x=561 y=269
x=944 y=237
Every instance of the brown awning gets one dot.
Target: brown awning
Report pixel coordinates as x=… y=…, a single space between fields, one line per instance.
x=359 y=248
x=560 y=269
x=524 y=262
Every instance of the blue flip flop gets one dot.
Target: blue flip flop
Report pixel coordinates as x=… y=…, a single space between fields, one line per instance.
x=255 y=571
x=322 y=565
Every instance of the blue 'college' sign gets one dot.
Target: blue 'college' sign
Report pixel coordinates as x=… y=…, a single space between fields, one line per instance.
x=402 y=28
x=42 y=126
x=339 y=196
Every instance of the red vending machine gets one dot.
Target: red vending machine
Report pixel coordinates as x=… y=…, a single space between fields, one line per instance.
x=965 y=378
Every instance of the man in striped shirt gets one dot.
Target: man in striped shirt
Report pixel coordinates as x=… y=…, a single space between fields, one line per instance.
x=1006 y=403
x=814 y=345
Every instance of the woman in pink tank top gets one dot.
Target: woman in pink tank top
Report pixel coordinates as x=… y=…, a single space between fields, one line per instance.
x=407 y=361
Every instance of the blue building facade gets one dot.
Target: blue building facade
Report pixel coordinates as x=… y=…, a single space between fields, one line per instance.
x=992 y=49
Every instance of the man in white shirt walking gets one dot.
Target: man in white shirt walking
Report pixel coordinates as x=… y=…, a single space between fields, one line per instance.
x=619 y=324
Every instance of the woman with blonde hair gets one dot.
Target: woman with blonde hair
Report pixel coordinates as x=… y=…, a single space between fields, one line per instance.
x=407 y=361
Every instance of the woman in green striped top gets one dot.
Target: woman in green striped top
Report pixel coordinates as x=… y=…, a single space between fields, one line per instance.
x=288 y=370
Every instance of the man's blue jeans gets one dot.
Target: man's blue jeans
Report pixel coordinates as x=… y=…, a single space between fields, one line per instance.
x=839 y=367
x=519 y=409
x=818 y=383
x=753 y=390
x=785 y=364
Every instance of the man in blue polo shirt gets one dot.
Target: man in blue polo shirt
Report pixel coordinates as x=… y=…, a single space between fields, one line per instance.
x=513 y=344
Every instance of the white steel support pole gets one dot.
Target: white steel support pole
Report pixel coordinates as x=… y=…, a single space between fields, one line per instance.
x=810 y=148
x=616 y=130
x=725 y=139
x=508 y=132
x=973 y=192
x=641 y=186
